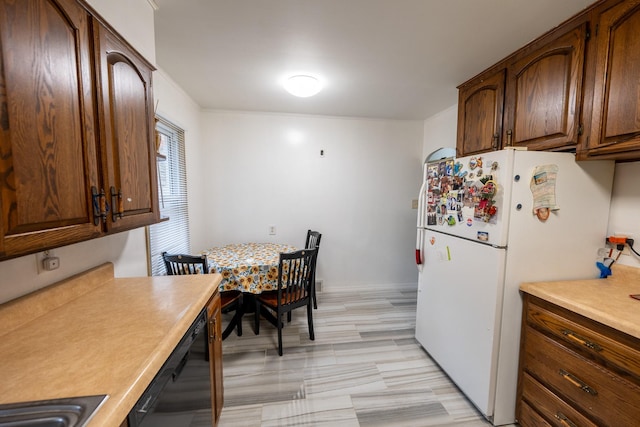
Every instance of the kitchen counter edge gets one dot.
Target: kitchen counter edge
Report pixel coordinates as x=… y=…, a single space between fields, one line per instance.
x=604 y=300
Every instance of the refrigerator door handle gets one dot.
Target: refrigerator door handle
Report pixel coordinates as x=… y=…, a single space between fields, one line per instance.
x=421 y=205
x=420 y=225
x=419 y=240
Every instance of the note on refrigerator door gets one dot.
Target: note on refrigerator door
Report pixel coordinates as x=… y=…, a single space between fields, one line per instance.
x=543 y=188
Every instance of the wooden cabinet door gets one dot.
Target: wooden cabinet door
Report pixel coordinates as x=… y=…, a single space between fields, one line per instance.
x=544 y=94
x=47 y=142
x=615 y=122
x=214 y=313
x=480 y=109
x=127 y=140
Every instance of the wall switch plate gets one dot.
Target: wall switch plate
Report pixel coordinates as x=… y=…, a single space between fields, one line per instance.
x=414 y=204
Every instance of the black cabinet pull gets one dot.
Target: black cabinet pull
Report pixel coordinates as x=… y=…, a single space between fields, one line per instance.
x=117 y=204
x=100 y=205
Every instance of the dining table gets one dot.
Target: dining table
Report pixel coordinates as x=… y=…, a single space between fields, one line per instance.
x=251 y=268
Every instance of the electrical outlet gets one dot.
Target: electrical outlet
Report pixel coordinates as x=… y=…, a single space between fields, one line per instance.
x=272 y=230
x=51 y=263
x=46 y=261
x=625 y=250
x=414 y=204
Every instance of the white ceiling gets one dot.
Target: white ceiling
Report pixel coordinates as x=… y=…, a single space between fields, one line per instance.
x=396 y=59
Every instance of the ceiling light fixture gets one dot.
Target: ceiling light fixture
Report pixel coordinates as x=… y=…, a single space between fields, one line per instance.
x=302 y=85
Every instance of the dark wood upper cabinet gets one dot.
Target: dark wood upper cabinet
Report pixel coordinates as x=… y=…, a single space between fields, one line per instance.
x=531 y=99
x=127 y=135
x=573 y=89
x=480 y=112
x=76 y=118
x=544 y=94
x=615 y=119
x=47 y=134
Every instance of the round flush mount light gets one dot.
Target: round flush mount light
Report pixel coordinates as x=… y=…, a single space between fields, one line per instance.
x=302 y=85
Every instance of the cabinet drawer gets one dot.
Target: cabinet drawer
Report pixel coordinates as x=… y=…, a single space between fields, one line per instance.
x=612 y=348
x=550 y=406
x=530 y=418
x=595 y=391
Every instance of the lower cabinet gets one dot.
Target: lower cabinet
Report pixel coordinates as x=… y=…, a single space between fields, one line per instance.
x=214 y=313
x=575 y=371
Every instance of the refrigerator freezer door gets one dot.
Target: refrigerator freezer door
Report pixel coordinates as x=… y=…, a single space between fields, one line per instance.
x=458 y=313
x=460 y=203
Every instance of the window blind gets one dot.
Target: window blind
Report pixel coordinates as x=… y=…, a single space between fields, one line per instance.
x=173 y=235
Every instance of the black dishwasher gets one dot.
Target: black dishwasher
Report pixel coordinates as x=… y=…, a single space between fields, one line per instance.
x=180 y=394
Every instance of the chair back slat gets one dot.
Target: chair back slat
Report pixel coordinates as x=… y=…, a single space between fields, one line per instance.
x=313 y=240
x=295 y=275
x=181 y=264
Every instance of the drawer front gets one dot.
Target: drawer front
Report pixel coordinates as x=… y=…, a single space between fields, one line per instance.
x=530 y=418
x=550 y=406
x=622 y=354
x=595 y=391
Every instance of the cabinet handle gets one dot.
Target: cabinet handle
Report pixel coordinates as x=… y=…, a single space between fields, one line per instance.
x=564 y=420
x=95 y=200
x=100 y=205
x=580 y=340
x=509 y=137
x=494 y=141
x=577 y=383
x=117 y=204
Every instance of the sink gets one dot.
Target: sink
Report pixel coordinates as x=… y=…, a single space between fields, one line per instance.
x=64 y=412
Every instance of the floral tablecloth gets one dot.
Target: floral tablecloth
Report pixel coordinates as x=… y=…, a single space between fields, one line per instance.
x=247 y=267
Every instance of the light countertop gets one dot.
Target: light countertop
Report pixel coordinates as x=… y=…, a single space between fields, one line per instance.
x=95 y=334
x=604 y=300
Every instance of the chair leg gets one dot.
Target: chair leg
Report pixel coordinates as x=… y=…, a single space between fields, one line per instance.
x=240 y=314
x=313 y=293
x=310 y=321
x=280 y=324
x=256 y=318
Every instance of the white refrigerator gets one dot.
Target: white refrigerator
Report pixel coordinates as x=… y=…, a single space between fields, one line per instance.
x=486 y=224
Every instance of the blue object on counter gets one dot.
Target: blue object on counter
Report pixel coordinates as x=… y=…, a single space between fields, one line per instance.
x=604 y=270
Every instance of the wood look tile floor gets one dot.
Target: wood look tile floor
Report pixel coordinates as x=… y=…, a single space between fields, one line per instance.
x=364 y=368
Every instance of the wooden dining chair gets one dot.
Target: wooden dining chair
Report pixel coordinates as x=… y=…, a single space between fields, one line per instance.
x=295 y=289
x=313 y=242
x=180 y=264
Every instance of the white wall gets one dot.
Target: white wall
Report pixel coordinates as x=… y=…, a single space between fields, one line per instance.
x=440 y=131
x=625 y=207
x=126 y=250
x=265 y=169
x=176 y=106
x=133 y=19
x=625 y=198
